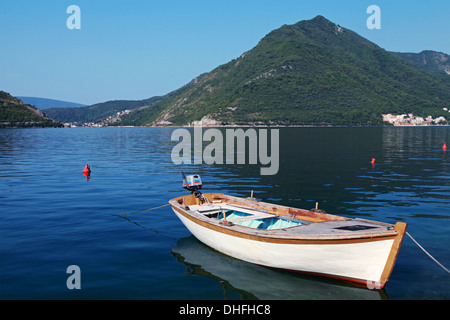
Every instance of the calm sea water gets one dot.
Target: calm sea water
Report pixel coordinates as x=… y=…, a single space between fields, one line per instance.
x=52 y=217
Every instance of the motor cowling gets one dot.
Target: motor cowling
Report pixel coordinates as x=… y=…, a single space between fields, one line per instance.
x=192 y=182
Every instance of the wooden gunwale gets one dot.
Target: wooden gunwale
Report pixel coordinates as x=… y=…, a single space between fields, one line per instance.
x=276 y=237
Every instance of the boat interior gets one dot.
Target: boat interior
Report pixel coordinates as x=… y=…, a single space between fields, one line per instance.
x=246 y=216
x=264 y=216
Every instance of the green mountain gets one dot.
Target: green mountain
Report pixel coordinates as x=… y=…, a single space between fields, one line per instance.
x=99 y=111
x=310 y=73
x=16 y=114
x=432 y=60
x=44 y=103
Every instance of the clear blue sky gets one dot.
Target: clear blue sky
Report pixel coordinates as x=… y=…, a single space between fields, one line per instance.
x=136 y=49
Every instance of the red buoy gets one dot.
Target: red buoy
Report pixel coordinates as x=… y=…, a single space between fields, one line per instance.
x=373 y=161
x=87 y=170
x=444 y=147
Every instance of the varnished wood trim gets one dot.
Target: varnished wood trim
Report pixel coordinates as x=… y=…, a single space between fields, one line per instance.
x=400 y=227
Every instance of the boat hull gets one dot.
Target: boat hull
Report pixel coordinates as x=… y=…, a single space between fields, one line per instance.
x=366 y=261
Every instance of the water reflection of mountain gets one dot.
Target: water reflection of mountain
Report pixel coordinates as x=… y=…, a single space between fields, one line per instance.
x=256 y=282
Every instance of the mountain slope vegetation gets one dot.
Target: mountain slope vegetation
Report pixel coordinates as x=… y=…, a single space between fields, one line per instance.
x=311 y=73
x=16 y=114
x=437 y=61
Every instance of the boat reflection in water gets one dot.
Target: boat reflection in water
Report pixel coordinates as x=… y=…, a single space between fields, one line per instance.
x=257 y=282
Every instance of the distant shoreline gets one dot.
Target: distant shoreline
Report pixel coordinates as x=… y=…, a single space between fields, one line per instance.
x=261 y=126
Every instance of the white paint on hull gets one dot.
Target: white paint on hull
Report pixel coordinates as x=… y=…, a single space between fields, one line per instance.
x=363 y=261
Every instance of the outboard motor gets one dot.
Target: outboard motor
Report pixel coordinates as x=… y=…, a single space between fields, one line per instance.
x=193 y=183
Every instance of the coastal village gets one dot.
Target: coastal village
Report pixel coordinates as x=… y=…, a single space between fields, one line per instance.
x=395 y=120
x=411 y=120
x=104 y=123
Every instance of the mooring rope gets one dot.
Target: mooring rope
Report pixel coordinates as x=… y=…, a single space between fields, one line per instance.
x=427 y=253
x=126 y=214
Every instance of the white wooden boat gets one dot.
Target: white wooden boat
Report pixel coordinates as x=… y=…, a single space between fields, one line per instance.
x=307 y=241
